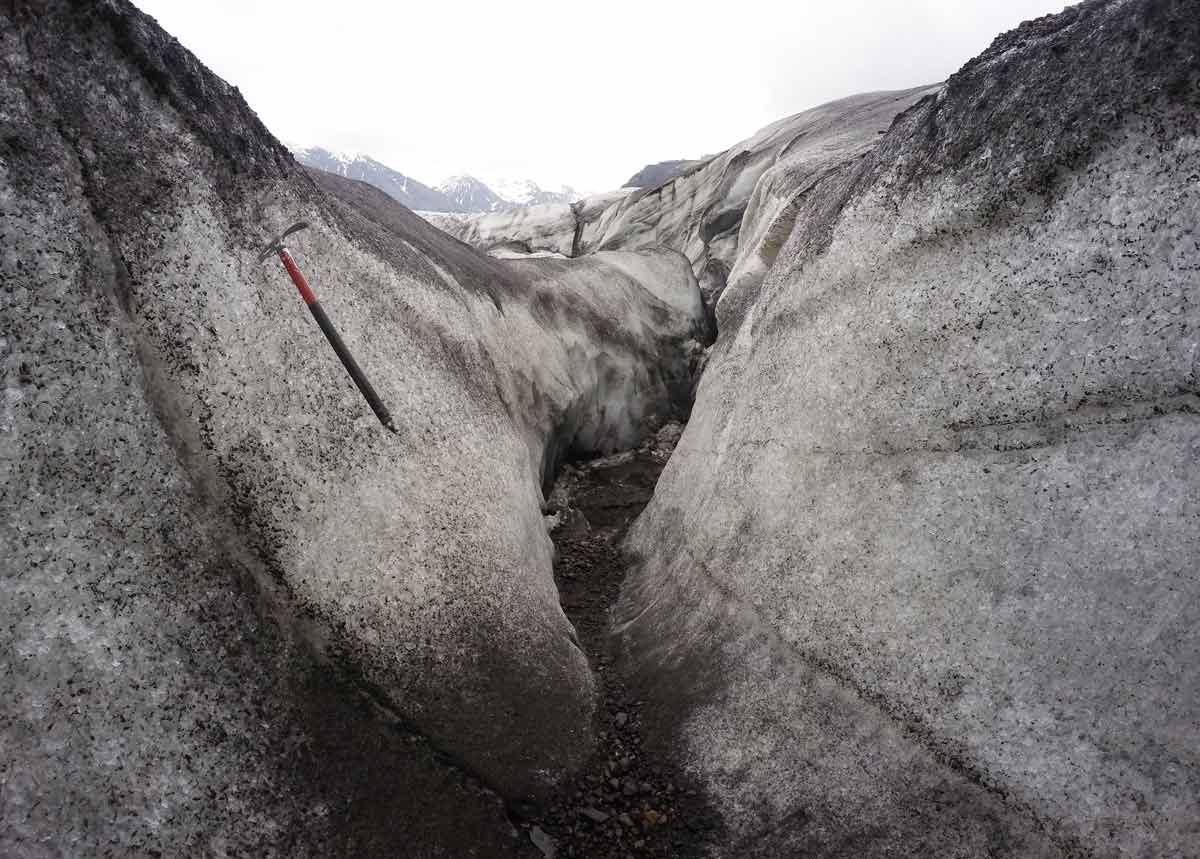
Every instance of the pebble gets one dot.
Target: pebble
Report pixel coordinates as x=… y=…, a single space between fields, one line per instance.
x=621 y=719
x=594 y=814
x=543 y=842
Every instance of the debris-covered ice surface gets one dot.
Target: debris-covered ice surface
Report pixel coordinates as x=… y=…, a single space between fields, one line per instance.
x=701 y=213
x=243 y=618
x=920 y=578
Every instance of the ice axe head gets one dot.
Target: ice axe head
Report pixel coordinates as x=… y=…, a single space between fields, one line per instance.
x=276 y=244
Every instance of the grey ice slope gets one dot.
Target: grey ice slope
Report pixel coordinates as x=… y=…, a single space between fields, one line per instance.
x=239 y=618
x=921 y=577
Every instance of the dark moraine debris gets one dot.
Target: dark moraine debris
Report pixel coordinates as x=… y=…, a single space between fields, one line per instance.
x=653 y=175
x=631 y=798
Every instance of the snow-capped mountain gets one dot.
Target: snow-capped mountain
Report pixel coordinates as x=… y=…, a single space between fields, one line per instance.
x=524 y=192
x=471 y=195
x=496 y=195
x=395 y=184
x=457 y=195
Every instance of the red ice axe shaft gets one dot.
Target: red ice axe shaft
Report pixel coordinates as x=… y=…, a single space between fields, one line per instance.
x=277 y=247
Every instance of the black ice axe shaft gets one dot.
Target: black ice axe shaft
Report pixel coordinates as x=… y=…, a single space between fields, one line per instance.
x=277 y=247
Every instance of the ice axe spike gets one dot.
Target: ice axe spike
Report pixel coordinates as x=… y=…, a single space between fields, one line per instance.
x=276 y=246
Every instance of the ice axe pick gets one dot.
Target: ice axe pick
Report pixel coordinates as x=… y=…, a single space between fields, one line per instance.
x=276 y=246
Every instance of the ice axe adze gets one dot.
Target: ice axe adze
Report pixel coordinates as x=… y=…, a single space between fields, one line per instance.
x=276 y=246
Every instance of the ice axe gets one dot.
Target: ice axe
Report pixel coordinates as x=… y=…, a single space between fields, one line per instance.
x=276 y=246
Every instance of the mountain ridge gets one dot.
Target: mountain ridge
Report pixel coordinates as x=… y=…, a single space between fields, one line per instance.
x=459 y=194
x=399 y=186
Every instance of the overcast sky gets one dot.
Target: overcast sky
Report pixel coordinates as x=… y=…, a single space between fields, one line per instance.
x=565 y=92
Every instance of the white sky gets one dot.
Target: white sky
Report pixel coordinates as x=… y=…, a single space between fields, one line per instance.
x=566 y=92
